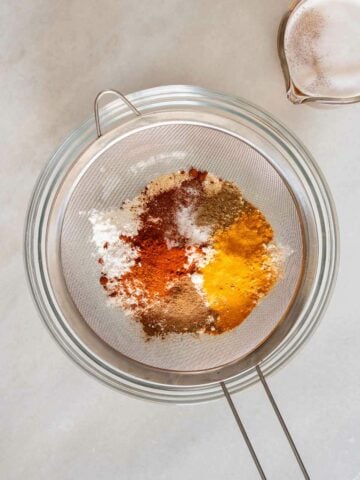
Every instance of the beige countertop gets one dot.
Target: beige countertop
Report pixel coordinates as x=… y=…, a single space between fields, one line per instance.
x=58 y=423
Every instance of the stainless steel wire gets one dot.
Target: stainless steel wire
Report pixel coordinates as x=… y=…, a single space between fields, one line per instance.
x=282 y=423
x=243 y=431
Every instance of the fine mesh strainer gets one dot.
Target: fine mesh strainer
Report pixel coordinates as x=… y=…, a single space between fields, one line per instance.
x=160 y=131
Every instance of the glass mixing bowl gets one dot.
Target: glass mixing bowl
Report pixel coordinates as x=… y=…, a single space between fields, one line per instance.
x=269 y=137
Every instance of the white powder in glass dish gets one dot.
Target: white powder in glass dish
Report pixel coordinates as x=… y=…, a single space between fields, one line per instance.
x=322 y=48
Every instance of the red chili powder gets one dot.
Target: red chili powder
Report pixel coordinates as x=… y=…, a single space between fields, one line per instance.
x=157 y=266
x=162 y=259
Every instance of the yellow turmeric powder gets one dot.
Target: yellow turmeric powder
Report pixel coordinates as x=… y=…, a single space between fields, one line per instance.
x=242 y=270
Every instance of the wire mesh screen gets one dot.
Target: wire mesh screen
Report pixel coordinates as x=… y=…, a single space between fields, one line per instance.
x=121 y=172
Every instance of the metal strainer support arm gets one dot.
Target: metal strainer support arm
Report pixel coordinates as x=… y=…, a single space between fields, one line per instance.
x=280 y=418
x=96 y=106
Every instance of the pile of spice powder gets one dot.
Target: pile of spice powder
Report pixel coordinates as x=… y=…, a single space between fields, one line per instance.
x=187 y=255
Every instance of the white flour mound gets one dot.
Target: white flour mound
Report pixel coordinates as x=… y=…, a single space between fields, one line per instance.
x=322 y=47
x=117 y=255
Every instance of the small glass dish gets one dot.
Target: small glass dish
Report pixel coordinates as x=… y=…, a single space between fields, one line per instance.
x=302 y=24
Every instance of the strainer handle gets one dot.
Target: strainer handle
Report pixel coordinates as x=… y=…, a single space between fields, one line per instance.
x=117 y=94
x=280 y=418
x=243 y=431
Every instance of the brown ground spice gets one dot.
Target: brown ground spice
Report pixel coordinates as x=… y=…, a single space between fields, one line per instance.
x=182 y=311
x=220 y=209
